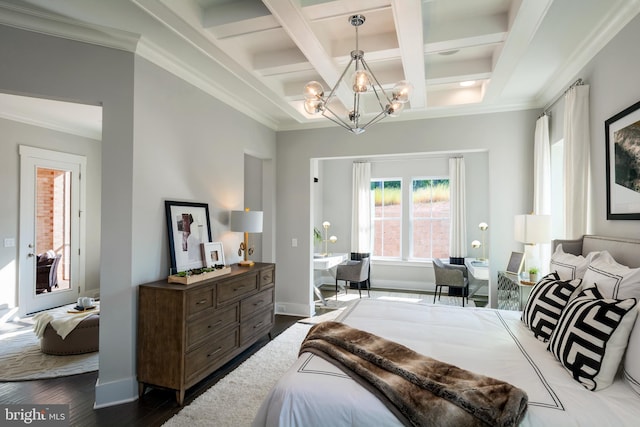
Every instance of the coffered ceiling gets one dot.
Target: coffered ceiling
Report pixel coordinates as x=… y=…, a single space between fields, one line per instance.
x=257 y=55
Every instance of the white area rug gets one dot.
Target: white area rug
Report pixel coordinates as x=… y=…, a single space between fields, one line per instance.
x=235 y=399
x=21 y=359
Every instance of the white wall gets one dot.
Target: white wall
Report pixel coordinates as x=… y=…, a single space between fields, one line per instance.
x=15 y=134
x=507 y=139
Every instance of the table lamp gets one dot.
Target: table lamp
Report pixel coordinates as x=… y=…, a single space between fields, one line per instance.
x=531 y=230
x=246 y=221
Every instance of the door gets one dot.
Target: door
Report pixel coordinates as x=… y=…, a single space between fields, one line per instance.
x=51 y=263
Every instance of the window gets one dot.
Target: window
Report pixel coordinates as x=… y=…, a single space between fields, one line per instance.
x=413 y=227
x=429 y=218
x=387 y=217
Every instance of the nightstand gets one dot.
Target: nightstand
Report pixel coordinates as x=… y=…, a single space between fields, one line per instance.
x=512 y=294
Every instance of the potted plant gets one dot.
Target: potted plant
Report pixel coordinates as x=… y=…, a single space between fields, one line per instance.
x=533 y=274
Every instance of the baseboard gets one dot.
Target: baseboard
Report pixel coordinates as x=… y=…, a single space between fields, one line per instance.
x=115 y=392
x=292 y=309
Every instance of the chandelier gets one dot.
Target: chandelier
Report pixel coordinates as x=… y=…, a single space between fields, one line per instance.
x=362 y=81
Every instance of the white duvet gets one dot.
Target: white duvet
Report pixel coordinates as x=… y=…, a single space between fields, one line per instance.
x=490 y=342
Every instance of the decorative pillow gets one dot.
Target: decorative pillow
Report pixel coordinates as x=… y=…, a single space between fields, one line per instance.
x=632 y=358
x=614 y=280
x=569 y=266
x=545 y=304
x=592 y=335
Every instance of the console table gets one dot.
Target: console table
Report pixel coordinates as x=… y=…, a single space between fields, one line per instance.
x=512 y=294
x=186 y=332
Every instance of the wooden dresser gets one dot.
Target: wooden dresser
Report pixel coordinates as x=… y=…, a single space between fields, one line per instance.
x=185 y=332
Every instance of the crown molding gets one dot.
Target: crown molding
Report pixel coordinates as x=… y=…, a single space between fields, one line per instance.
x=55 y=25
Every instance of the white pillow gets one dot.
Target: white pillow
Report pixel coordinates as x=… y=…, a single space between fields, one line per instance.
x=592 y=335
x=569 y=266
x=613 y=280
x=632 y=358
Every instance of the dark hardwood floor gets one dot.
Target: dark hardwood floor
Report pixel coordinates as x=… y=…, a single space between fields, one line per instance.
x=152 y=409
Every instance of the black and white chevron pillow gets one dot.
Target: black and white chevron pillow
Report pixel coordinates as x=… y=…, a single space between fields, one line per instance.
x=545 y=304
x=592 y=335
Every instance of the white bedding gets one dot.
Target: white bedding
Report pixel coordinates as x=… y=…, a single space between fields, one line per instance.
x=489 y=342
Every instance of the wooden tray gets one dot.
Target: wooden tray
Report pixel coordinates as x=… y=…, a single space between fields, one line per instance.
x=195 y=278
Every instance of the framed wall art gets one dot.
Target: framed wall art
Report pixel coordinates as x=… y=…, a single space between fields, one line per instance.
x=516 y=261
x=213 y=254
x=188 y=227
x=622 y=135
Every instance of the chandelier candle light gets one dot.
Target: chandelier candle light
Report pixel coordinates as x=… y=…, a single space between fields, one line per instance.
x=362 y=80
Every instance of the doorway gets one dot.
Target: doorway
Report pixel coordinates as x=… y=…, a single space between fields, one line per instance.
x=51 y=261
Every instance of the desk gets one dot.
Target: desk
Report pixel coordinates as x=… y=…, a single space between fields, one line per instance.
x=479 y=271
x=326 y=263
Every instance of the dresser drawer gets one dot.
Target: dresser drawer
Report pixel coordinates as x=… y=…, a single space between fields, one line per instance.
x=260 y=324
x=199 y=300
x=208 y=356
x=267 y=278
x=234 y=289
x=256 y=303
x=211 y=324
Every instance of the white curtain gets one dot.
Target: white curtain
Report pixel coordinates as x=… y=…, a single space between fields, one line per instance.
x=542 y=183
x=361 y=208
x=576 y=161
x=458 y=229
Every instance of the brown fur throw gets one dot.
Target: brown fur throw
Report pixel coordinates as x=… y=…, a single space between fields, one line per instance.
x=419 y=390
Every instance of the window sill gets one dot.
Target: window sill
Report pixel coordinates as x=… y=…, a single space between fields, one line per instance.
x=401 y=262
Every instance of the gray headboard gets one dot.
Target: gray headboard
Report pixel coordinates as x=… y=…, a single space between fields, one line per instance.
x=624 y=251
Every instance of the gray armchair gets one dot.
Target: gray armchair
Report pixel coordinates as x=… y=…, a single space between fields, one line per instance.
x=452 y=276
x=353 y=272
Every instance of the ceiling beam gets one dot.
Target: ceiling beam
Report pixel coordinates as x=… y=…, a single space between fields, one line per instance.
x=524 y=25
x=407 y=15
x=289 y=14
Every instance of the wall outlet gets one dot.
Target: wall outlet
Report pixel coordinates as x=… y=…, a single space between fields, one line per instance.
x=281 y=308
x=9 y=243
x=294 y=243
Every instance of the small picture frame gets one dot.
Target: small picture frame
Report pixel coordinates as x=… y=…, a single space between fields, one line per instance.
x=213 y=254
x=516 y=261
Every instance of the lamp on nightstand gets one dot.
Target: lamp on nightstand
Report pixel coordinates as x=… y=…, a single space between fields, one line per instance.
x=246 y=221
x=532 y=230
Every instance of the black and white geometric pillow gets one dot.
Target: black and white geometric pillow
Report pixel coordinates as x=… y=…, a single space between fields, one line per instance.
x=592 y=335
x=545 y=304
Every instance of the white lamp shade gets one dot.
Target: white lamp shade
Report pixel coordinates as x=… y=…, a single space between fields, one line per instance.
x=246 y=221
x=532 y=229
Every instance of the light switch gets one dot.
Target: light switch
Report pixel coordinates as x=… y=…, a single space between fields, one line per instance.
x=294 y=243
x=9 y=243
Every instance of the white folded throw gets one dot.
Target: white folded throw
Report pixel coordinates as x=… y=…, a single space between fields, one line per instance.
x=61 y=321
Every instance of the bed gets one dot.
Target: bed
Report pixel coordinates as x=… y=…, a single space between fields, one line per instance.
x=495 y=343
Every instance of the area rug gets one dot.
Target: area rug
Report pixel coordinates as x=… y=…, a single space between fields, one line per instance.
x=21 y=359
x=235 y=399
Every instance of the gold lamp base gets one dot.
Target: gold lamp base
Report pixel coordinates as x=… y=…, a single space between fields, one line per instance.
x=246 y=263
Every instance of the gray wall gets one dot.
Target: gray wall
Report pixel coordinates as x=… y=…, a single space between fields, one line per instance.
x=335 y=206
x=506 y=138
x=15 y=134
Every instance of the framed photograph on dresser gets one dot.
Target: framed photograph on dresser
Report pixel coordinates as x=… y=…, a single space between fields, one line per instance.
x=213 y=254
x=188 y=227
x=516 y=261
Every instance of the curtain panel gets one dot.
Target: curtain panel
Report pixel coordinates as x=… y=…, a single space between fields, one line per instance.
x=458 y=228
x=361 y=208
x=576 y=161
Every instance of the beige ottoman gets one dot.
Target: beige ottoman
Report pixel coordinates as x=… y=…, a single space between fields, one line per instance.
x=83 y=338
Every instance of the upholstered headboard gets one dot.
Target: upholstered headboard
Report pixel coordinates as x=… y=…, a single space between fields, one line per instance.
x=624 y=251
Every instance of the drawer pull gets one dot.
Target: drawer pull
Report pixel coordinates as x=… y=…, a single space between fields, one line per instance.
x=257 y=303
x=257 y=325
x=266 y=277
x=202 y=301
x=238 y=289
x=214 y=352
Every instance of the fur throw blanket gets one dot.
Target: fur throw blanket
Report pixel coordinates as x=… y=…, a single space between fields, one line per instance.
x=419 y=390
